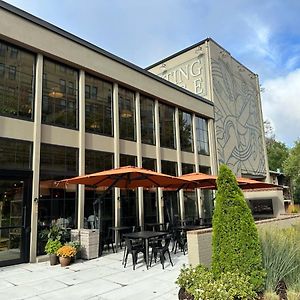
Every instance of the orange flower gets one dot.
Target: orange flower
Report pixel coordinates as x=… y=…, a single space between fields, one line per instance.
x=66 y=251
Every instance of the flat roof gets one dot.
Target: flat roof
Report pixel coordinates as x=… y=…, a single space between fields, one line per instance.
x=25 y=15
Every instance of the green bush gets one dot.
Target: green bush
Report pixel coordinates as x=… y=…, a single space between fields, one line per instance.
x=201 y=283
x=52 y=246
x=235 y=239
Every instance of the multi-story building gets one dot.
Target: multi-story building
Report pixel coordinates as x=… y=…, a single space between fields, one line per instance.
x=69 y=108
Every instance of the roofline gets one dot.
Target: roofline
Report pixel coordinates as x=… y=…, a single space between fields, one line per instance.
x=25 y=15
x=192 y=47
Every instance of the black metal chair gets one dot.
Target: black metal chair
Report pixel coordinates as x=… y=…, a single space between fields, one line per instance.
x=133 y=250
x=180 y=241
x=161 y=251
x=107 y=240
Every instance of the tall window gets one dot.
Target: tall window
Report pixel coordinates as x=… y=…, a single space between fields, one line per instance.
x=15 y=154
x=60 y=95
x=16 y=82
x=97 y=161
x=98 y=106
x=169 y=167
x=187 y=168
x=127 y=160
x=147 y=120
x=167 y=126
x=202 y=136
x=149 y=163
x=186 y=131
x=57 y=205
x=127 y=114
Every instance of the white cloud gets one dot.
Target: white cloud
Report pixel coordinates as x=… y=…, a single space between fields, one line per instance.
x=281 y=104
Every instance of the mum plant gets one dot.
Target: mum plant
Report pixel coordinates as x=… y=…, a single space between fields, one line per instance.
x=66 y=251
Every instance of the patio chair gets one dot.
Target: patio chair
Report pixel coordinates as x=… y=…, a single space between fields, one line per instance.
x=161 y=251
x=180 y=241
x=133 y=250
x=107 y=241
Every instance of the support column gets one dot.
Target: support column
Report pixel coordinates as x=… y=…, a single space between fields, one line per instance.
x=212 y=147
x=197 y=162
x=80 y=206
x=179 y=166
x=36 y=155
x=116 y=150
x=139 y=156
x=160 y=200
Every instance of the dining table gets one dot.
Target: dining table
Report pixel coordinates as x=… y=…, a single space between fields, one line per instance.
x=145 y=236
x=118 y=236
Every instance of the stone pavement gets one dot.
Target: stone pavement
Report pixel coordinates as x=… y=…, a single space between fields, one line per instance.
x=102 y=278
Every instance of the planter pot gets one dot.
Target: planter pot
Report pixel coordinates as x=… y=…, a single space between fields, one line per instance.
x=184 y=295
x=53 y=259
x=64 y=261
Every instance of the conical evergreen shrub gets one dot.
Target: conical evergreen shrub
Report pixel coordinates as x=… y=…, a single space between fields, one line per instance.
x=235 y=239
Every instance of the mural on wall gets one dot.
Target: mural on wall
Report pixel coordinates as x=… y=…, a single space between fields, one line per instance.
x=237 y=120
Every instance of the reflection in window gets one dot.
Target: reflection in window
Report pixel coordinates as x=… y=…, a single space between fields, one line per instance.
x=60 y=104
x=126 y=114
x=187 y=168
x=190 y=205
x=97 y=161
x=15 y=154
x=169 y=167
x=56 y=204
x=186 y=132
x=147 y=120
x=16 y=82
x=98 y=106
x=149 y=163
x=167 y=126
x=202 y=136
x=127 y=160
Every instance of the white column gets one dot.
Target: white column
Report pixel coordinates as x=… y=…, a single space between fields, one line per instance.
x=197 y=162
x=160 y=201
x=80 y=213
x=139 y=155
x=212 y=147
x=36 y=154
x=179 y=166
x=116 y=149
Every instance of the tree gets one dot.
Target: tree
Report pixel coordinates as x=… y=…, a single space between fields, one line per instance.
x=291 y=168
x=235 y=240
x=277 y=152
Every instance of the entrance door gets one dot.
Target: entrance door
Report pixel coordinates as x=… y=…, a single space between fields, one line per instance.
x=15 y=210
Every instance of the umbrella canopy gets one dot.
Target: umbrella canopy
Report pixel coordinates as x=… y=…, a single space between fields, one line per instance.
x=205 y=181
x=126 y=177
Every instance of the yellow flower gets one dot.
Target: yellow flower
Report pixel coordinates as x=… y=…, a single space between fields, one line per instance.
x=66 y=251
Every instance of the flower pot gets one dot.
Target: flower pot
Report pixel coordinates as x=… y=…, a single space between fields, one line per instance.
x=64 y=261
x=53 y=259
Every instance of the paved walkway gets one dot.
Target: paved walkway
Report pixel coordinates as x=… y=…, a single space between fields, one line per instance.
x=102 y=278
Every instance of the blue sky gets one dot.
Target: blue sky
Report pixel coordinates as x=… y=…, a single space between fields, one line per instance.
x=263 y=35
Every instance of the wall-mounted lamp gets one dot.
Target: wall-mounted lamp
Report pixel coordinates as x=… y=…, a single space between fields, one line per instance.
x=55 y=93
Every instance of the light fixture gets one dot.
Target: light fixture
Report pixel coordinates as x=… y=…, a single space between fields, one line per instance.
x=95 y=125
x=55 y=93
x=126 y=113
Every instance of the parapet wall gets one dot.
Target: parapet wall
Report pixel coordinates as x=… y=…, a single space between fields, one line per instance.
x=199 y=241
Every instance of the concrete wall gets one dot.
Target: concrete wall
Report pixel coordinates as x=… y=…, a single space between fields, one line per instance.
x=200 y=241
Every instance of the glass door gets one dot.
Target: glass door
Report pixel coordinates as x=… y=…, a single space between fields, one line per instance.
x=14 y=219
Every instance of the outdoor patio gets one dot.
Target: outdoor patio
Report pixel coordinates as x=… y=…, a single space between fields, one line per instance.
x=101 y=278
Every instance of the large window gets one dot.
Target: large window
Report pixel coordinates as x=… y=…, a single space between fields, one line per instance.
x=15 y=154
x=169 y=167
x=60 y=95
x=57 y=204
x=127 y=160
x=98 y=106
x=147 y=120
x=187 y=168
x=97 y=161
x=127 y=114
x=167 y=126
x=186 y=131
x=149 y=163
x=17 y=68
x=202 y=136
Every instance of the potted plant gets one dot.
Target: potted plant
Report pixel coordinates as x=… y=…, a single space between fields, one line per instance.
x=77 y=246
x=65 y=254
x=51 y=248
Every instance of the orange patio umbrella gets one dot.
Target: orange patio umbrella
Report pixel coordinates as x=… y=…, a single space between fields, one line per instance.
x=251 y=184
x=128 y=177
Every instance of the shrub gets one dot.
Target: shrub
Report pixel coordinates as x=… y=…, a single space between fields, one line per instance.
x=201 y=283
x=235 y=239
x=52 y=246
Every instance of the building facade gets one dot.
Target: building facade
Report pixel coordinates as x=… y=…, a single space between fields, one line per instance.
x=69 y=108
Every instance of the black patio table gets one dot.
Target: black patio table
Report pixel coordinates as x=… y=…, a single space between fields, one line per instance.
x=155 y=225
x=145 y=235
x=119 y=229
x=190 y=227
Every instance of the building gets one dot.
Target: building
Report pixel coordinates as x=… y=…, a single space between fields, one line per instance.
x=69 y=108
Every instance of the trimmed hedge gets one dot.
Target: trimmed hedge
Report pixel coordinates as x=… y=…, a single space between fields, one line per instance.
x=235 y=239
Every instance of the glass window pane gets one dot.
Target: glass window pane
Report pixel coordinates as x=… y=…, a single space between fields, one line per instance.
x=17 y=69
x=98 y=106
x=60 y=104
x=202 y=136
x=127 y=114
x=149 y=163
x=15 y=154
x=97 y=161
x=127 y=160
x=147 y=120
x=186 y=132
x=187 y=168
x=169 y=167
x=167 y=126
